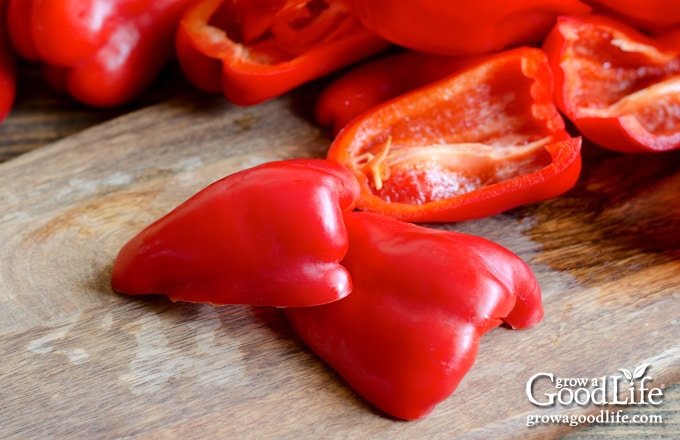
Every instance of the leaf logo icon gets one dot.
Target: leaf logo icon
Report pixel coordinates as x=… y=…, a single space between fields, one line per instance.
x=640 y=371
x=636 y=374
x=627 y=374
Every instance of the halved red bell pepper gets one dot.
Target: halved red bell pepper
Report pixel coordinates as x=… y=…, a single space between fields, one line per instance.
x=463 y=28
x=619 y=87
x=410 y=330
x=103 y=52
x=652 y=15
x=8 y=66
x=253 y=52
x=374 y=82
x=484 y=140
x=269 y=235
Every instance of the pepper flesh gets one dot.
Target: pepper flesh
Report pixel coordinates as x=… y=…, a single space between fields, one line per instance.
x=484 y=140
x=270 y=235
x=253 y=52
x=463 y=28
x=8 y=66
x=104 y=53
x=619 y=87
x=409 y=332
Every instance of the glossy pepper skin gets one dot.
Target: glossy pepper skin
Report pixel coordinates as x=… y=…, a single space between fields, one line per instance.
x=652 y=15
x=483 y=140
x=8 y=66
x=463 y=28
x=374 y=82
x=104 y=53
x=617 y=85
x=270 y=235
x=252 y=52
x=410 y=330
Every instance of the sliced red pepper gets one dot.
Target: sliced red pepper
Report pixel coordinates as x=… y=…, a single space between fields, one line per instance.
x=103 y=52
x=374 y=82
x=653 y=15
x=254 y=51
x=8 y=66
x=481 y=141
x=619 y=87
x=270 y=235
x=409 y=332
x=463 y=28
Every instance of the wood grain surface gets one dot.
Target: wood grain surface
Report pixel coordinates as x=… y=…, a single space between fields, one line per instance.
x=79 y=361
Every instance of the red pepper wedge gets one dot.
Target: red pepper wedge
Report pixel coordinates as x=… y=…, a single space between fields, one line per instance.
x=484 y=140
x=463 y=28
x=409 y=331
x=104 y=53
x=374 y=82
x=8 y=66
x=652 y=15
x=618 y=86
x=270 y=235
x=253 y=52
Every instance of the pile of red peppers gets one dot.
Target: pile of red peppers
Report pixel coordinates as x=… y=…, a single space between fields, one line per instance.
x=612 y=63
x=438 y=112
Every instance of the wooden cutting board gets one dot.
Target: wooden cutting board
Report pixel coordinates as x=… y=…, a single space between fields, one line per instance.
x=79 y=361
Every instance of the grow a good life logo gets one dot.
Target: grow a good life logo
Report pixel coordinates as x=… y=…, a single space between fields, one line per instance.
x=631 y=388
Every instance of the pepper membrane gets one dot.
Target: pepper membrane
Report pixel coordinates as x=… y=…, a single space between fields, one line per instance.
x=618 y=86
x=483 y=140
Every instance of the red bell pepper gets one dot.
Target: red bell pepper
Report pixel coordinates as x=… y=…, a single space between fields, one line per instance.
x=254 y=51
x=484 y=140
x=653 y=15
x=270 y=235
x=463 y=28
x=103 y=52
x=410 y=330
x=618 y=86
x=374 y=82
x=8 y=66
